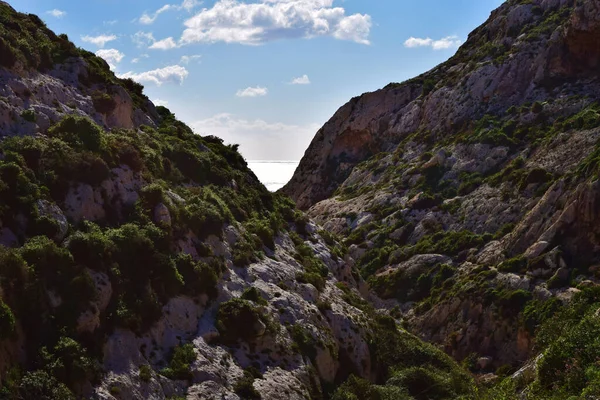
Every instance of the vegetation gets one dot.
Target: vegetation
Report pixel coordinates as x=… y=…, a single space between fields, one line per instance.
x=238 y=319
x=568 y=342
x=408 y=368
x=127 y=244
x=179 y=366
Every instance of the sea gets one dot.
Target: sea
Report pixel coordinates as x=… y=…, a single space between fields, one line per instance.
x=274 y=174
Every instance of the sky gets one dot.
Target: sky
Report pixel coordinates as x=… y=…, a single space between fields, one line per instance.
x=265 y=74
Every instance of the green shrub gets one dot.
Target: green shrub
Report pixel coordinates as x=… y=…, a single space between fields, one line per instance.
x=356 y=388
x=28 y=115
x=244 y=253
x=7 y=321
x=145 y=373
x=244 y=387
x=41 y=385
x=198 y=277
x=252 y=294
x=516 y=264
x=311 y=278
x=179 y=366
x=238 y=319
x=103 y=102
x=263 y=231
x=449 y=242
x=79 y=132
x=405 y=362
x=8 y=55
x=304 y=342
x=70 y=364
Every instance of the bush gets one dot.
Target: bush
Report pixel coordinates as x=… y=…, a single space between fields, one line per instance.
x=103 y=102
x=263 y=231
x=179 y=367
x=245 y=387
x=516 y=264
x=79 y=132
x=252 y=294
x=41 y=385
x=312 y=278
x=8 y=55
x=244 y=253
x=198 y=277
x=69 y=363
x=7 y=321
x=356 y=388
x=145 y=373
x=304 y=342
x=424 y=383
x=28 y=115
x=238 y=319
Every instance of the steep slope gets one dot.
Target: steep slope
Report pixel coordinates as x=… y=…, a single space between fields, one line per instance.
x=45 y=77
x=141 y=261
x=469 y=195
x=527 y=51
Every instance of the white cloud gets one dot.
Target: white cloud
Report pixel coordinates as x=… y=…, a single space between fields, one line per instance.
x=164 y=44
x=188 y=5
x=137 y=59
x=441 y=44
x=301 y=80
x=159 y=102
x=111 y=56
x=143 y=39
x=258 y=139
x=111 y=22
x=188 y=59
x=252 y=92
x=233 y=21
x=56 y=13
x=99 y=40
x=170 y=74
x=147 y=19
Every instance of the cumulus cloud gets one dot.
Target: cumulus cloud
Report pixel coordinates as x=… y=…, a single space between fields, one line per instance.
x=188 y=59
x=289 y=140
x=252 y=92
x=99 y=40
x=159 y=102
x=111 y=56
x=164 y=44
x=143 y=39
x=301 y=80
x=170 y=74
x=233 y=21
x=441 y=44
x=56 y=13
x=188 y=5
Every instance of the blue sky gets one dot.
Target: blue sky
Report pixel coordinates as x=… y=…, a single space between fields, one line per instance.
x=264 y=73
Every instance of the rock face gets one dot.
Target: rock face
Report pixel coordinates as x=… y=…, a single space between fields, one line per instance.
x=505 y=62
x=488 y=163
x=139 y=260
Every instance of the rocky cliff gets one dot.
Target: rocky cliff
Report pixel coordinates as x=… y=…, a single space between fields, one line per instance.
x=469 y=195
x=141 y=261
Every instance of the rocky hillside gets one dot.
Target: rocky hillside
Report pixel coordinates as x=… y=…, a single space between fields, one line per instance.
x=141 y=261
x=45 y=77
x=469 y=197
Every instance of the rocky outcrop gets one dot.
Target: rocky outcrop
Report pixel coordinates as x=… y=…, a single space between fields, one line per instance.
x=506 y=62
x=31 y=102
x=489 y=160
